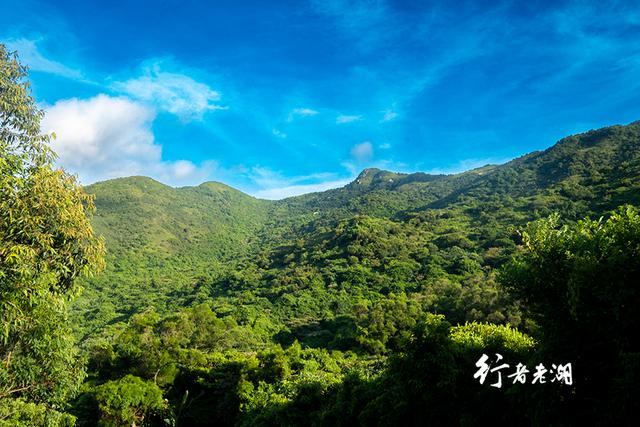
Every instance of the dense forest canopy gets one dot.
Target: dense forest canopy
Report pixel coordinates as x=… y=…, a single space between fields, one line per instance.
x=372 y=304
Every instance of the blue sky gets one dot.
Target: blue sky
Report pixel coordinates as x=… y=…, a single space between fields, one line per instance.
x=286 y=97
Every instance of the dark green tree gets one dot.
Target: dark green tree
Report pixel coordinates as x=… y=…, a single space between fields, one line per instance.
x=581 y=285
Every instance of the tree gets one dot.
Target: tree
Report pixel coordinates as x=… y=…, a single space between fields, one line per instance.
x=46 y=243
x=580 y=284
x=129 y=401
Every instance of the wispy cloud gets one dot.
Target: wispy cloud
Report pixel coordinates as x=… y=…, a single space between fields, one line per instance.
x=347 y=119
x=274 y=185
x=108 y=137
x=267 y=177
x=296 y=190
x=366 y=22
x=31 y=55
x=301 y=112
x=278 y=133
x=362 y=152
x=593 y=33
x=175 y=93
x=389 y=115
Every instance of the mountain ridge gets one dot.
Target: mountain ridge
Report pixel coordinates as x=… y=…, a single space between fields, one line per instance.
x=375 y=172
x=373 y=175
x=161 y=240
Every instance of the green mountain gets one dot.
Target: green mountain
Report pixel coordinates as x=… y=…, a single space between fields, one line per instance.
x=369 y=303
x=162 y=241
x=597 y=167
x=141 y=218
x=160 y=238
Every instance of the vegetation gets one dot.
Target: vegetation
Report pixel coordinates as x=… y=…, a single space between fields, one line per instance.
x=46 y=242
x=371 y=304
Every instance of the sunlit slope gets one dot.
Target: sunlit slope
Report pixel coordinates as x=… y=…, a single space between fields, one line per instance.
x=163 y=240
x=160 y=239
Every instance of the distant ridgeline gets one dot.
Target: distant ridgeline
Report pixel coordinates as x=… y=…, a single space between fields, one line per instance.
x=318 y=308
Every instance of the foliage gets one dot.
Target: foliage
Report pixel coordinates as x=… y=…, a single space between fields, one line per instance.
x=580 y=283
x=21 y=413
x=128 y=401
x=429 y=382
x=326 y=315
x=46 y=243
x=439 y=234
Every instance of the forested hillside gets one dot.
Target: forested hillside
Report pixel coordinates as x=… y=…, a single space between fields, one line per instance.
x=323 y=307
x=161 y=240
x=386 y=230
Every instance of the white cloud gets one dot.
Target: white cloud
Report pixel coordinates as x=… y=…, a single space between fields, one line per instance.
x=362 y=152
x=266 y=177
x=278 y=133
x=369 y=23
x=275 y=186
x=175 y=93
x=301 y=112
x=385 y=146
x=183 y=169
x=108 y=137
x=305 y=112
x=296 y=190
x=30 y=55
x=389 y=115
x=347 y=119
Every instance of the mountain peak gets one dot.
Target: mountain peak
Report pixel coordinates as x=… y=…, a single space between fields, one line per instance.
x=216 y=186
x=369 y=171
x=370 y=175
x=136 y=181
x=378 y=178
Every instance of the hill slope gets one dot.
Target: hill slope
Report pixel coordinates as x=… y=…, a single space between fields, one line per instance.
x=161 y=238
x=164 y=243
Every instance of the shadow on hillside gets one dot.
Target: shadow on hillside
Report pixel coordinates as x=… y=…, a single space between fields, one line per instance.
x=333 y=334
